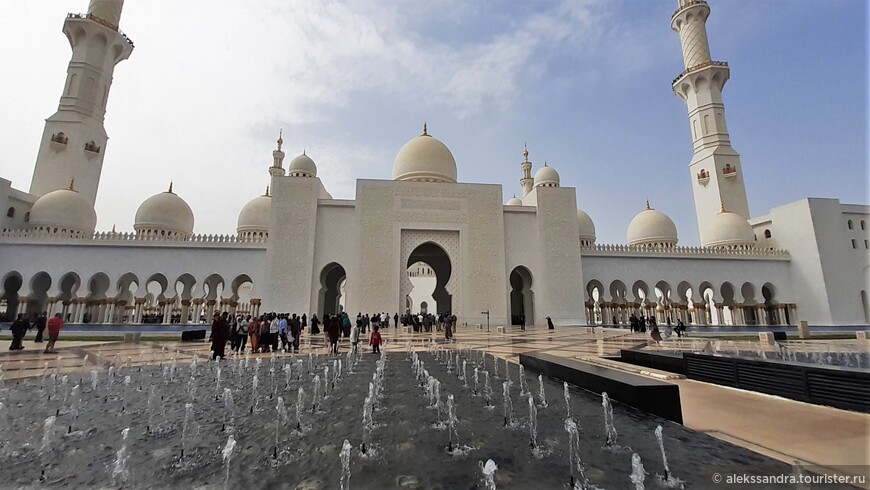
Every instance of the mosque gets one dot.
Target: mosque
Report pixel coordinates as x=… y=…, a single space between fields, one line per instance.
x=296 y=249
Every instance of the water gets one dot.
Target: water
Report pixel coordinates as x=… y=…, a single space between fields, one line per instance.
x=464 y=378
x=533 y=423
x=609 y=428
x=667 y=479
x=567 y=400
x=316 y=393
x=120 y=473
x=574 y=462
x=95 y=378
x=524 y=387
x=451 y=421
x=510 y=418
x=255 y=382
x=476 y=389
x=367 y=421
x=488 y=471
x=300 y=404
x=344 y=456
x=189 y=430
x=280 y=422
x=227 y=453
x=487 y=389
x=47 y=429
x=542 y=394
x=638 y=474
x=325 y=381
x=229 y=410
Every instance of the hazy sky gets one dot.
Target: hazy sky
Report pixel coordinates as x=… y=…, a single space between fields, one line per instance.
x=585 y=82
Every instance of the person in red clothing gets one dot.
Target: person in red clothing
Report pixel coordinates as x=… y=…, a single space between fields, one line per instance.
x=375 y=340
x=54 y=326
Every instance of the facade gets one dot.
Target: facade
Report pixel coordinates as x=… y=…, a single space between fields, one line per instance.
x=296 y=249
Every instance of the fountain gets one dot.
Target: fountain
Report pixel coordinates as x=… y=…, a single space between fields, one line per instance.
x=487 y=389
x=451 y=422
x=524 y=387
x=344 y=456
x=667 y=479
x=367 y=422
x=494 y=366
x=542 y=395
x=189 y=429
x=229 y=410
x=533 y=423
x=255 y=382
x=120 y=473
x=316 y=393
x=464 y=378
x=325 y=381
x=227 y=453
x=476 y=390
x=567 y=399
x=609 y=428
x=638 y=474
x=574 y=455
x=280 y=422
x=509 y=418
x=488 y=471
x=300 y=403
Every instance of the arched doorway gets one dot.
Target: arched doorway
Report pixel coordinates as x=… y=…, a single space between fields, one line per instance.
x=522 y=297
x=330 y=298
x=424 y=282
x=438 y=261
x=9 y=301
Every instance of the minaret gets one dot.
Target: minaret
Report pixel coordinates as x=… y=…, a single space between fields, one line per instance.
x=277 y=168
x=73 y=143
x=717 y=176
x=527 y=182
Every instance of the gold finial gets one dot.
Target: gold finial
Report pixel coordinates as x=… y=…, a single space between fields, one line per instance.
x=525 y=152
x=72 y=184
x=515 y=195
x=113 y=229
x=280 y=138
x=170 y=187
x=425 y=129
x=722 y=208
x=303 y=151
x=545 y=163
x=647 y=205
x=267 y=191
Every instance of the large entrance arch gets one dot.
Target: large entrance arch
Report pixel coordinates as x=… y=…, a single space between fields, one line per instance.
x=330 y=297
x=522 y=296
x=436 y=258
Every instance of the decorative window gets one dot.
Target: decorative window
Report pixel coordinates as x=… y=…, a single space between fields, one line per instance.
x=10 y=213
x=862 y=224
x=59 y=138
x=92 y=147
x=767 y=234
x=729 y=171
x=27 y=217
x=849 y=224
x=853 y=243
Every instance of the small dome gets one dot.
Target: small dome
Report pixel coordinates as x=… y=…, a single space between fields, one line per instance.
x=63 y=211
x=425 y=159
x=587 y=227
x=302 y=166
x=728 y=230
x=651 y=228
x=164 y=215
x=515 y=201
x=546 y=176
x=254 y=217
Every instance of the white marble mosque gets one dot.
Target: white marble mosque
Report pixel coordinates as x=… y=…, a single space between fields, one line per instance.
x=296 y=249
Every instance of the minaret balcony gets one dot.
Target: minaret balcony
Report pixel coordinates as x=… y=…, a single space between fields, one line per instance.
x=58 y=141
x=729 y=171
x=698 y=67
x=92 y=150
x=703 y=177
x=688 y=5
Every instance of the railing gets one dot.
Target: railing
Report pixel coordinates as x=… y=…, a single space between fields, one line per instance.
x=104 y=23
x=111 y=236
x=685 y=6
x=697 y=67
x=621 y=249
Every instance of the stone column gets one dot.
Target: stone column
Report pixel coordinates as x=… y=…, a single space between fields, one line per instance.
x=185 y=312
x=81 y=307
x=110 y=311
x=720 y=313
x=197 y=310
x=255 y=306
x=209 y=311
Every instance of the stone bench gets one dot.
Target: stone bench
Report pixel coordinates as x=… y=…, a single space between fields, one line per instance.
x=406 y=329
x=861 y=335
x=478 y=326
x=499 y=329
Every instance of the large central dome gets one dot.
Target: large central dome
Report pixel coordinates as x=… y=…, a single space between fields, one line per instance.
x=425 y=159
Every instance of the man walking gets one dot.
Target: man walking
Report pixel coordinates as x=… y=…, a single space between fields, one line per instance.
x=40 y=326
x=19 y=328
x=54 y=326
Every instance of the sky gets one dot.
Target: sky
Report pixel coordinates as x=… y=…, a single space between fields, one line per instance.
x=586 y=83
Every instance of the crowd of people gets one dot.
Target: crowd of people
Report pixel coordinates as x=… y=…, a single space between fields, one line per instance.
x=642 y=323
x=21 y=325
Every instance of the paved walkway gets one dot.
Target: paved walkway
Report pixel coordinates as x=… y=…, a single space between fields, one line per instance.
x=779 y=428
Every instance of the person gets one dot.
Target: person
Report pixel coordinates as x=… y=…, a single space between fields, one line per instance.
x=304 y=322
x=550 y=324
x=522 y=322
x=254 y=333
x=333 y=330
x=375 y=340
x=282 y=333
x=680 y=328
x=295 y=332
x=54 y=326
x=396 y=320
x=354 y=337
x=633 y=322
x=242 y=332
x=654 y=332
x=273 y=331
x=219 y=331
x=345 y=325
x=448 y=329
x=40 y=326
x=315 y=324
x=19 y=328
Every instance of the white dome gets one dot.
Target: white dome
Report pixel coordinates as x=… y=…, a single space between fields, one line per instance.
x=63 y=211
x=254 y=217
x=727 y=230
x=164 y=214
x=302 y=166
x=515 y=201
x=652 y=228
x=587 y=227
x=547 y=176
x=425 y=159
